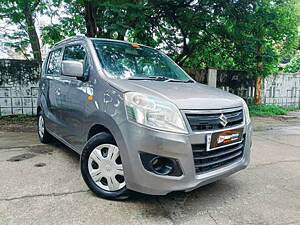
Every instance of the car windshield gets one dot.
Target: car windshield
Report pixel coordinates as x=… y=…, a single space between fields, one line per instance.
x=131 y=61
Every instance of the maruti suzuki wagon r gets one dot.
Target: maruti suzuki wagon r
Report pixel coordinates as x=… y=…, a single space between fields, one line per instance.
x=139 y=122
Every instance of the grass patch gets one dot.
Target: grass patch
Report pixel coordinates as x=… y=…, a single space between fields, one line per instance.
x=270 y=110
x=18 y=118
x=18 y=123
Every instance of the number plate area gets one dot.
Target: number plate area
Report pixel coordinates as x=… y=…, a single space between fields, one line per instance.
x=223 y=138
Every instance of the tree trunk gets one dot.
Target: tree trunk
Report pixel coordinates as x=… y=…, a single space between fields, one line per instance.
x=90 y=18
x=258 y=88
x=259 y=69
x=121 y=37
x=258 y=83
x=33 y=37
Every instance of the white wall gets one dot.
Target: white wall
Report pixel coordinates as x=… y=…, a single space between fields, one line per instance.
x=282 y=89
x=18 y=86
x=17 y=99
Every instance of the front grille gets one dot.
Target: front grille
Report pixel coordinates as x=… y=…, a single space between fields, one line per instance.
x=206 y=122
x=206 y=161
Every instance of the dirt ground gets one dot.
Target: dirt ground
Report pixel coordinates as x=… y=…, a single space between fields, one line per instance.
x=42 y=184
x=18 y=124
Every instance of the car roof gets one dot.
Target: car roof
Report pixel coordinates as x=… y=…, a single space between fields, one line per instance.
x=84 y=38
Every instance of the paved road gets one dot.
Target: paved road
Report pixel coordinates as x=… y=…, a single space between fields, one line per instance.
x=41 y=184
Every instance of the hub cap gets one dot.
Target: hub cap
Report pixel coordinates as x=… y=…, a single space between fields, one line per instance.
x=105 y=167
x=41 y=126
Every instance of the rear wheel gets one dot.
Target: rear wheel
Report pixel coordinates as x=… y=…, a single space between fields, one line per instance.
x=102 y=168
x=43 y=134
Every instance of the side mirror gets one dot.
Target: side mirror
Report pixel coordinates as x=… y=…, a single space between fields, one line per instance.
x=72 y=68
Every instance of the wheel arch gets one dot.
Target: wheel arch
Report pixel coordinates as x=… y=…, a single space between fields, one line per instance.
x=38 y=110
x=96 y=129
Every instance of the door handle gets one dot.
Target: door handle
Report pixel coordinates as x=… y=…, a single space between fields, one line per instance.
x=57 y=92
x=66 y=82
x=43 y=86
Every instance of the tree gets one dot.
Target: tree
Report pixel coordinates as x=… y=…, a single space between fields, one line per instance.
x=247 y=35
x=106 y=19
x=70 y=21
x=263 y=35
x=228 y=34
x=294 y=65
x=22 y=13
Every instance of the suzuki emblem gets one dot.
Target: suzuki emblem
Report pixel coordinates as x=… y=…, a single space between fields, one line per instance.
x=223 y=120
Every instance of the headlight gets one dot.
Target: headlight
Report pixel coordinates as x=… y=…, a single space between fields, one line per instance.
x=246 y=112
x=154 y=112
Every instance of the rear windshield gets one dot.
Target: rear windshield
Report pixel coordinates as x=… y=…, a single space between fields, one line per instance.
x=125 y=61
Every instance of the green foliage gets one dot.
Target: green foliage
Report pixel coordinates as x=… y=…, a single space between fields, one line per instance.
x=251 y=35
x=112 y=19
x=70 y=23
x=232 y=35
x=20 y=14
x=19 y=72
x=270 y=110
x=236 y=35
x=294 y=65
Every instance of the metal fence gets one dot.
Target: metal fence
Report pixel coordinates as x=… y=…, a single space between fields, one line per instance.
x=235 y=82
x=282 y=89
x=238 y=83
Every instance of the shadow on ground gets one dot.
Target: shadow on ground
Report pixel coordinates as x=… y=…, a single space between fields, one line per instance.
x=176 y=205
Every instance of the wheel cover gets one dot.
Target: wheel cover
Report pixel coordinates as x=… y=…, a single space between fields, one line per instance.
x=41 y=127
x=105 y=167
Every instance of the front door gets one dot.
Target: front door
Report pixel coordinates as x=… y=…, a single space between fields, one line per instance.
x=74 y=97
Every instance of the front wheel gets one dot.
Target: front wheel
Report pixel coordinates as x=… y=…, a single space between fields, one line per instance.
x=102 y=169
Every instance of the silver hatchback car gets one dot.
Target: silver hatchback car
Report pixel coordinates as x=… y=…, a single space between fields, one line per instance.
x=139 y=122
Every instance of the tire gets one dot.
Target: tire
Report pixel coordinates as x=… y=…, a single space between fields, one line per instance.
x=42 y=132
x=102 y=169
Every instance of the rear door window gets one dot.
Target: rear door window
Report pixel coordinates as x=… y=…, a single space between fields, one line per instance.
x=54 y=62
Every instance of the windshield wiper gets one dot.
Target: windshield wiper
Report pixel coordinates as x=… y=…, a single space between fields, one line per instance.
x=139 y=78
x=179 y=81
x=160 y=78
x=156 y=78
x=189 y=81
x=167 y=79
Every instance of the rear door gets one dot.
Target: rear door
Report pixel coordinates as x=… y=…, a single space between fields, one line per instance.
x=50 y=86
x=75 y=96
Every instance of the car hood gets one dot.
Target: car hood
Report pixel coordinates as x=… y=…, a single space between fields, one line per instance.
x=189 y=96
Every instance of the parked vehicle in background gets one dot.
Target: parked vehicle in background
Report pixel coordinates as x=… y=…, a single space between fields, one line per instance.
x=138 y=120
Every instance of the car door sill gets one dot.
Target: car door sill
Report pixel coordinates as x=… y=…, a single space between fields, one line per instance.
x=63 y=141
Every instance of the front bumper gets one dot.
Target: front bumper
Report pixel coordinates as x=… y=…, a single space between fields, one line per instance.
x=141 y=139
